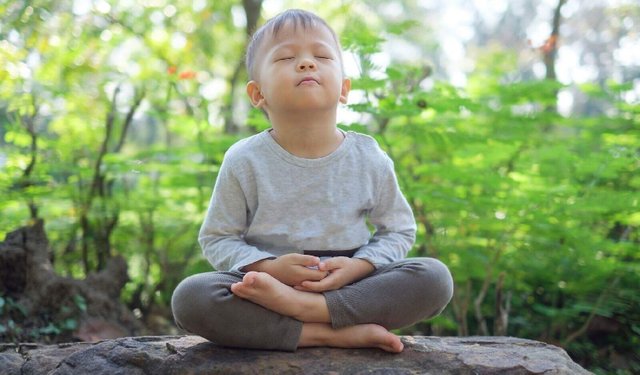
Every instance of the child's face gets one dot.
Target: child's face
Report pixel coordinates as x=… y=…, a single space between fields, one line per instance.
x=298 y=69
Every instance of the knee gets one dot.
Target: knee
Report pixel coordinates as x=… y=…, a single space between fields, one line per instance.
x=194 y=299
x=437 y=283
x=184 y=300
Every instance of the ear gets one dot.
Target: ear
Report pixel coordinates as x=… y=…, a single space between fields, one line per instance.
x=255 y=94
x=344 y=91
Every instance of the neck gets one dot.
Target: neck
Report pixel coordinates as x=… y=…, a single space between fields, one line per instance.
x=307 y=135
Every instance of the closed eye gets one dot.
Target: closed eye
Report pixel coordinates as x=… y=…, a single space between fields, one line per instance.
x=324 y=57
x=284 y=58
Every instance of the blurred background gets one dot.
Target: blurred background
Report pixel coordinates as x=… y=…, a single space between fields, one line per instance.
x=514 y=126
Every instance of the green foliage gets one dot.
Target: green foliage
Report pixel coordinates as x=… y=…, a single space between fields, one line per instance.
x=10 y=312
x=16 y=324
x=500 y=183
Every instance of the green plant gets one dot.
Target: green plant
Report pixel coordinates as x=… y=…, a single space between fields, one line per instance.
x=16 y=324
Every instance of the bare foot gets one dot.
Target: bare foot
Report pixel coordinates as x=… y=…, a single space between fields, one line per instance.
x=266 y=291
x=358 y=336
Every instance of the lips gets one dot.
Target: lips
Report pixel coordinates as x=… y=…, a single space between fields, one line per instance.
x=308 y=81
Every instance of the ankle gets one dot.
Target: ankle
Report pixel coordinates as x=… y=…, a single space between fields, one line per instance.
x=315 y=334
x=312 y=308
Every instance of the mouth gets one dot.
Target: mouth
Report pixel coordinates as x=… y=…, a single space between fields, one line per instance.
x=308 y=81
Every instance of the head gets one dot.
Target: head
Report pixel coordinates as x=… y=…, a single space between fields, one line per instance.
x=295 y=60
x=299 y=19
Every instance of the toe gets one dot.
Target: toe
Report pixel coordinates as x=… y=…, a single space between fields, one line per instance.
x=250 y=278
x=398 y=346
x=240 y=289
x=235 y=288
x=393 y=346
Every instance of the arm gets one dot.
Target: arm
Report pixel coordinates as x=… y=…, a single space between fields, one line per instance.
x=222 y=236
x=222 y=232
x=392 y=218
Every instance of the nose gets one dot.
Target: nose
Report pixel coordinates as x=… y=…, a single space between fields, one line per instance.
x=306 y=64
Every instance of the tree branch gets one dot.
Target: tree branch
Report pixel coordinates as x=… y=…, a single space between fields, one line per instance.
x=503 y=306
x=550 y=48
x=461 y=308
x=31 y=129
x=128 y=119
x=477 y=303
x=252 y=10
x=580 y=331
x=96 y=182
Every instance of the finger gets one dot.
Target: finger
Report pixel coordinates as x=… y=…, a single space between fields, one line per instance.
x=311 y=286
x=331 y=264
x=328 y=283
x=305 y=260
x=314 y=275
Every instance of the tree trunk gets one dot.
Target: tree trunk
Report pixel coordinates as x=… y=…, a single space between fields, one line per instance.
x=252 y=10
x=549 y=54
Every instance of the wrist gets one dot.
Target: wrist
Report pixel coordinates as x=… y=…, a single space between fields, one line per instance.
x=259 y=266
x=364 y=265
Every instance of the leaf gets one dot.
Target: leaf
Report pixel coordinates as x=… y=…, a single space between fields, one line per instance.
x=69 y=324
x=545 y=310
x=633 y=219
x=15 y=305
x=593 y=90
x=80 y=302
x=618 y=87
x=50 y=329
x=18 y=138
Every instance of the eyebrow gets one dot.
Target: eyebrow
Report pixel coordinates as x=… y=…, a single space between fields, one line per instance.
x=293 y=45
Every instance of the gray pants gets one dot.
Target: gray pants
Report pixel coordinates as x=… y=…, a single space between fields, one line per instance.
x=394 y=296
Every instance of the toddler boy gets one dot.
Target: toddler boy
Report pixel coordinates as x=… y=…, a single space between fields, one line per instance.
x=287 y=225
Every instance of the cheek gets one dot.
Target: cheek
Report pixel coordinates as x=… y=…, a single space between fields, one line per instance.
x=278 y=71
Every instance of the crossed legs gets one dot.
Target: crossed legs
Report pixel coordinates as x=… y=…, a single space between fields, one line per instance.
x=311 y=309
x=255 y=310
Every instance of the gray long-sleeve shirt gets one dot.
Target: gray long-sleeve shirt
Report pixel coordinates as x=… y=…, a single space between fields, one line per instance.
x=267 y=202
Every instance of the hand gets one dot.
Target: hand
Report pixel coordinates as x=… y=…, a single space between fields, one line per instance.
x=290 y=269
x=342 y=271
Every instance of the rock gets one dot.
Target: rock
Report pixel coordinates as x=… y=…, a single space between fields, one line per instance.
x=46 y=299
x=195 y=355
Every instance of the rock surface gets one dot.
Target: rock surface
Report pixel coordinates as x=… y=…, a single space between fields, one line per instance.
x=194 y=355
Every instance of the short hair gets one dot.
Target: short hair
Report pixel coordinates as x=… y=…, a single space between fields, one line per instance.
x=298 y=17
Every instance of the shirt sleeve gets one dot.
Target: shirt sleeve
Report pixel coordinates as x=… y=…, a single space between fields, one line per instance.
x=222 y=233
x=393 y=221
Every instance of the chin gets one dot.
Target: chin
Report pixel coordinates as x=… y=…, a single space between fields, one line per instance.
x=308 y=106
